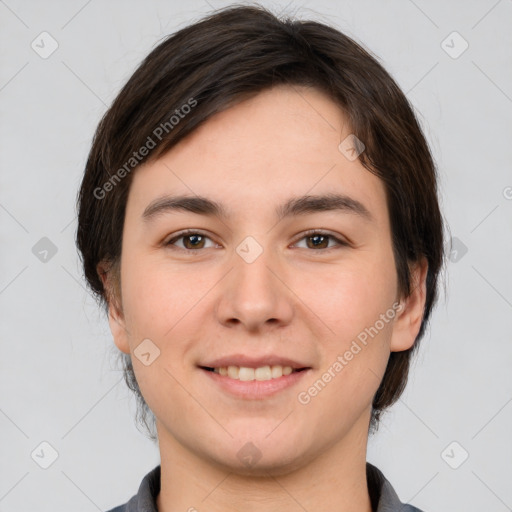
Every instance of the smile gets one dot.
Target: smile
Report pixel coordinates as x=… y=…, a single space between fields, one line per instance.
x=262 y=373
x=254 y=383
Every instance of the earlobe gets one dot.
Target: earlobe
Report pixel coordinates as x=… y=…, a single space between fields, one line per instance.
x=115 y=314
x=408 y=321
x=118 y=329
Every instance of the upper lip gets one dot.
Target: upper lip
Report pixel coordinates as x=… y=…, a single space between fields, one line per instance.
x=253 y=362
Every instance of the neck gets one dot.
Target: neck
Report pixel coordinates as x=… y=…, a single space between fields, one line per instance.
x=334 y=480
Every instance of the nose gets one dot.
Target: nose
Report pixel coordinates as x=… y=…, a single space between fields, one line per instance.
x=254 y=295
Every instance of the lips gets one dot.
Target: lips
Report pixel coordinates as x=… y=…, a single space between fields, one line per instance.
x=249 y=384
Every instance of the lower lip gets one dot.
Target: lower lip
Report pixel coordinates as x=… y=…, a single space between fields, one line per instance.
x=255 y=389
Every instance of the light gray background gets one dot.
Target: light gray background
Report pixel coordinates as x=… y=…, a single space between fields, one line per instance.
x=58 y=378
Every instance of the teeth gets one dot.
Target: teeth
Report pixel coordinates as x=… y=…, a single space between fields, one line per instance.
x=261 y=373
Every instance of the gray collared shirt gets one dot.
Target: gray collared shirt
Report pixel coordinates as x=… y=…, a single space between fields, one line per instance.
x=382 y=494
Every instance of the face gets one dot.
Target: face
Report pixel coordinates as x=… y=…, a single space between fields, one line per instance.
x=267 y=280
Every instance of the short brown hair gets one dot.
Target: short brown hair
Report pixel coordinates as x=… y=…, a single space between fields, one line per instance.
x=223 y=59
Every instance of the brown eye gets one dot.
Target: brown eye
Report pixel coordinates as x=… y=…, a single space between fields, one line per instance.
x=190 y=241
x=193 y=241
x=318 y=241
x=321 y=240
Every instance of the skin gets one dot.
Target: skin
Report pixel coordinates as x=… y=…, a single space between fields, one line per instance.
x=295 y=299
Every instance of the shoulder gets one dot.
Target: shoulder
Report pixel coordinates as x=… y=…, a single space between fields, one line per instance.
x=383 y=496
x=145 y=499
x=120 y=508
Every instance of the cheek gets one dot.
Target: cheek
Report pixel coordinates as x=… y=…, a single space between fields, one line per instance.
x=353 y=362
x=355 y=350
x=159 y=298
x=158 y=302
x=349 y=298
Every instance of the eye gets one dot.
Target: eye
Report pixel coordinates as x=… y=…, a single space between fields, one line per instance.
x=194 y=240
x=319 y=239
x=191 y=240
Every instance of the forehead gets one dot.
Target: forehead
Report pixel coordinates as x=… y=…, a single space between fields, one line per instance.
x=282 y=125
x=282 y=143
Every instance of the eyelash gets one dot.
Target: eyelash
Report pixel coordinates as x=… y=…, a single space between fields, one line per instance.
x=310 y=233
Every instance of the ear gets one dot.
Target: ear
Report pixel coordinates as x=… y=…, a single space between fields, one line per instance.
x=408 y=320
x=115 y=313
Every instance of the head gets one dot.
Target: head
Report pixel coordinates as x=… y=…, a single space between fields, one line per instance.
x=251 y=111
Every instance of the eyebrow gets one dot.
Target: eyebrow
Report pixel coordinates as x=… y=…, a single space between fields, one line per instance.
x=301 y=205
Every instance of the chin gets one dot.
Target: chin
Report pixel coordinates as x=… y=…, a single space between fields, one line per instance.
x=263 y=458
x=276 y=466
